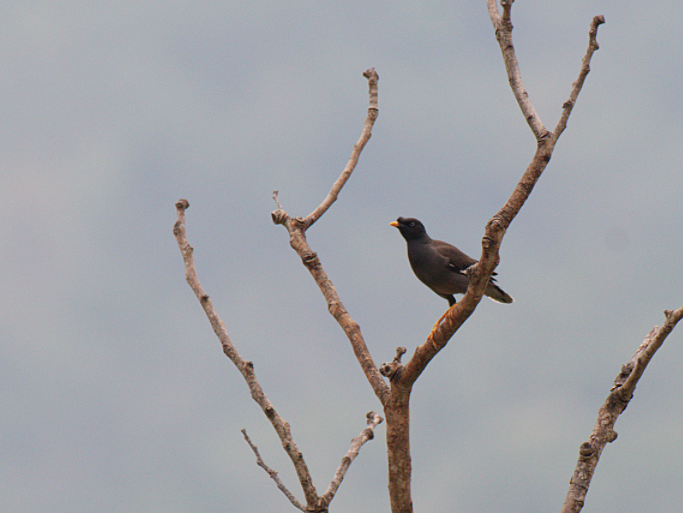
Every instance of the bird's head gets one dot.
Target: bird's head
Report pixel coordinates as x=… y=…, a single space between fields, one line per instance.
x=410 y=228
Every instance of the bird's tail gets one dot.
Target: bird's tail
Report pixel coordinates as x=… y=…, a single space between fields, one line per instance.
x=497 y=294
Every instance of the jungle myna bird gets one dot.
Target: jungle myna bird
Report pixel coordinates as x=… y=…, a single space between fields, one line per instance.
x=439 y=265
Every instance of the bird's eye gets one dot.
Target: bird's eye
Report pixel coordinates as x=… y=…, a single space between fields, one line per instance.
x=411 y=223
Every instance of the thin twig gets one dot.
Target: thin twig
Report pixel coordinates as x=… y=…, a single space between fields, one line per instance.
x=616 y=402
x=356 y=443
x=503 y=28
x=373 y=111
x=273 y=474
x=246 y=368
x=585 y=69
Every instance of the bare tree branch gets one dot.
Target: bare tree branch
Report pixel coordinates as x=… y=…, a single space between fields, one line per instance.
x=616 y=402
x=297 y=239
x=356 y=443
x=246 y=368
x=585 y=69
x=503 y=27
x=273 y=474
x=373 y=111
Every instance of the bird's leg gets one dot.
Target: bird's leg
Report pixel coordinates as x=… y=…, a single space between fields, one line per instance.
x=451 y=302
x=438 y=323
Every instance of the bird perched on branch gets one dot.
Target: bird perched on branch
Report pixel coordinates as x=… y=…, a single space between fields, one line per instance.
x=439 y=265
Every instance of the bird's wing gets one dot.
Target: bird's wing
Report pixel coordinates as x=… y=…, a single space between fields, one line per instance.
x=457 y=261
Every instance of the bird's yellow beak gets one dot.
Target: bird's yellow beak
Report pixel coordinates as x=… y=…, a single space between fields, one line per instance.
x=394 y=224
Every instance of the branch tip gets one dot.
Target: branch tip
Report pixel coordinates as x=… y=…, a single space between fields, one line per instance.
x=277 y=200
x=391 y=370
x=507 y=8
x=370 y=74
x=373 y=418
x=279 y=216
x=593 y=32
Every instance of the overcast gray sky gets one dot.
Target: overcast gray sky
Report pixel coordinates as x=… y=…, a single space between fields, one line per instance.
x=115 y=392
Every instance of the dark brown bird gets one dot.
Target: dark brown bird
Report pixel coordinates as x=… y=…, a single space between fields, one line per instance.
x=440 y=265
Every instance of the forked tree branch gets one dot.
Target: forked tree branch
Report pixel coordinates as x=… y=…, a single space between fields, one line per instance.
x=616 y=402
x=297 y=226
x=314 y=503
x=496 y=227
x=356 y=443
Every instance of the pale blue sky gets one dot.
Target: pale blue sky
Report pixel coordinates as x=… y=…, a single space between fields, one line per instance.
x=115 y=392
